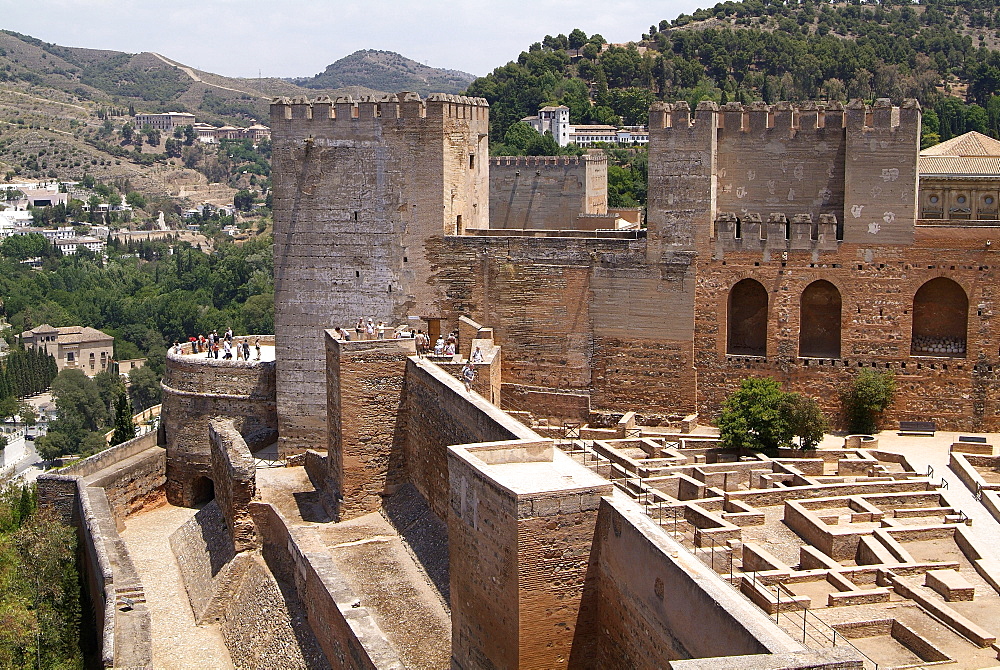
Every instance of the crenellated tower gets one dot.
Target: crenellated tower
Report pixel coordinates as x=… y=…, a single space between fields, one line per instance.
x=360 y=187
x=798 y=167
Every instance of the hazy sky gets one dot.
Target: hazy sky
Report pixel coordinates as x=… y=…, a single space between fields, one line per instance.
x=297 y=38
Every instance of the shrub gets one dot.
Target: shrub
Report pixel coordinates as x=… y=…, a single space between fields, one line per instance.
x=868 y=395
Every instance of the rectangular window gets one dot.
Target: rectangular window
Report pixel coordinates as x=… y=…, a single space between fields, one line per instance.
x=472 y=161
x=69 y=357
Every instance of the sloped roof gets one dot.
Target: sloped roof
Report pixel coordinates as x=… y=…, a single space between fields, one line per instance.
x=70 y=334
x=968 y=145
x=971 y=154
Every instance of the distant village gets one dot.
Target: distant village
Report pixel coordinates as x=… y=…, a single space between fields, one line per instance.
x=16 y=209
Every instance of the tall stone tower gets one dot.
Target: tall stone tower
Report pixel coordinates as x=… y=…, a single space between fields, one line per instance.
x=361 y=188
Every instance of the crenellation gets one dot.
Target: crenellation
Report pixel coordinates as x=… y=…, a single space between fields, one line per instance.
x=784 y=117
x=760 y=117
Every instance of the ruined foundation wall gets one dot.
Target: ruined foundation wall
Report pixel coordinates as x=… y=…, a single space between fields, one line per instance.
x=234 y=475
x=197 y=389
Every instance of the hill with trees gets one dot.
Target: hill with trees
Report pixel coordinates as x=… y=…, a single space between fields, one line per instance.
x=387 y=71
x=940 y=52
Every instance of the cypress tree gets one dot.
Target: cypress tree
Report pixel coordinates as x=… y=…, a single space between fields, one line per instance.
x=124 y=427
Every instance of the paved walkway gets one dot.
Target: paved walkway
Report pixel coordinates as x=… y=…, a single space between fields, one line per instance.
x=934 y=451
x=177 y=642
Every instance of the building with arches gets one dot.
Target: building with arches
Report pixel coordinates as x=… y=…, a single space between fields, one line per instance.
x=783 y=241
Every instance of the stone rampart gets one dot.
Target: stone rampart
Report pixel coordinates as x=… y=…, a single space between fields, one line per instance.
x=197 y=389
x=344 y=628
x=95 y=496
x=234 y=476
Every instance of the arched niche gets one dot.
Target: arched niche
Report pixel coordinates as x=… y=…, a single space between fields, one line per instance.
x=940 y=319
x=747 y=319
x=819 y=321
x=202 y=491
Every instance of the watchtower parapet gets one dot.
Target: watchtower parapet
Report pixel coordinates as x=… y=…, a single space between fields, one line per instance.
x=777 y=234
x=393 y=106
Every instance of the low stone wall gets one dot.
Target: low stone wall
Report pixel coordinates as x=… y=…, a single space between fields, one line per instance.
x=110 y=456
x=655 y=603
x=344 y=628
x=235 y=481
x=545 y=403
x=96 y=495
x=439 y=413
x=197 y=389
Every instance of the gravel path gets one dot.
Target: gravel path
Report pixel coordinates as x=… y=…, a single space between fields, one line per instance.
x=177 y=641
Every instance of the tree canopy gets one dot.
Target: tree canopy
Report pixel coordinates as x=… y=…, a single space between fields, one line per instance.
x=760 y=416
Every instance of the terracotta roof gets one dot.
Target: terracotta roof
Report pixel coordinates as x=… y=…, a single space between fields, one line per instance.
x=969 y=144
x=70 y=334
x=966 y=166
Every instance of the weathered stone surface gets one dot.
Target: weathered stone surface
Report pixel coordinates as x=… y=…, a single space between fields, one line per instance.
x=197 y=389
x=235 y=483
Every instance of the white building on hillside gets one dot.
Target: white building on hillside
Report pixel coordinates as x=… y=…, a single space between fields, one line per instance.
x=556 y=120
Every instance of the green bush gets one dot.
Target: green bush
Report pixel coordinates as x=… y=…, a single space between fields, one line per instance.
x=867 y=397
x=761 y=417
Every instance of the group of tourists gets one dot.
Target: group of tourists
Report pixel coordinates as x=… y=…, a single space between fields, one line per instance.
x=226 y=344
x=367 y=329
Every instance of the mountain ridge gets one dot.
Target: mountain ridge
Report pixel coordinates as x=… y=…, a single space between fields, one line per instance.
x=387 y=71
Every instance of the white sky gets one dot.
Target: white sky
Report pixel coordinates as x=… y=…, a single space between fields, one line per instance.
x=299 y=38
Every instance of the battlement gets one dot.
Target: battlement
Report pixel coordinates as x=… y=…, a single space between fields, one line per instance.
x=779 y=233
x=546 y=161
x=784 y=116
x=404 y=105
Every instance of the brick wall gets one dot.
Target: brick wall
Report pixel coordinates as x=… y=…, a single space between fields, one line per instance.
x=366 y=426
x=877 y=286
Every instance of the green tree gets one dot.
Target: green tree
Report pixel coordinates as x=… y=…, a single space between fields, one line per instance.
x=243 y=200
x=144 y=387
x=805 y=419
x=753 y=417
x=869 y=394
x=124 y=425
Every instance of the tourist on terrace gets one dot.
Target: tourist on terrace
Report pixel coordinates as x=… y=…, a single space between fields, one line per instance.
x=477 y=356
x=468 y=375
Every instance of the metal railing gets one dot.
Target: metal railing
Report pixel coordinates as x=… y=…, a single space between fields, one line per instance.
x=815 y=633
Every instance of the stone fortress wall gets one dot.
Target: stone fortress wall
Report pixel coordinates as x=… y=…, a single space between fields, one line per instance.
x=538 y=192
x=197 y=389
x=358 y=186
